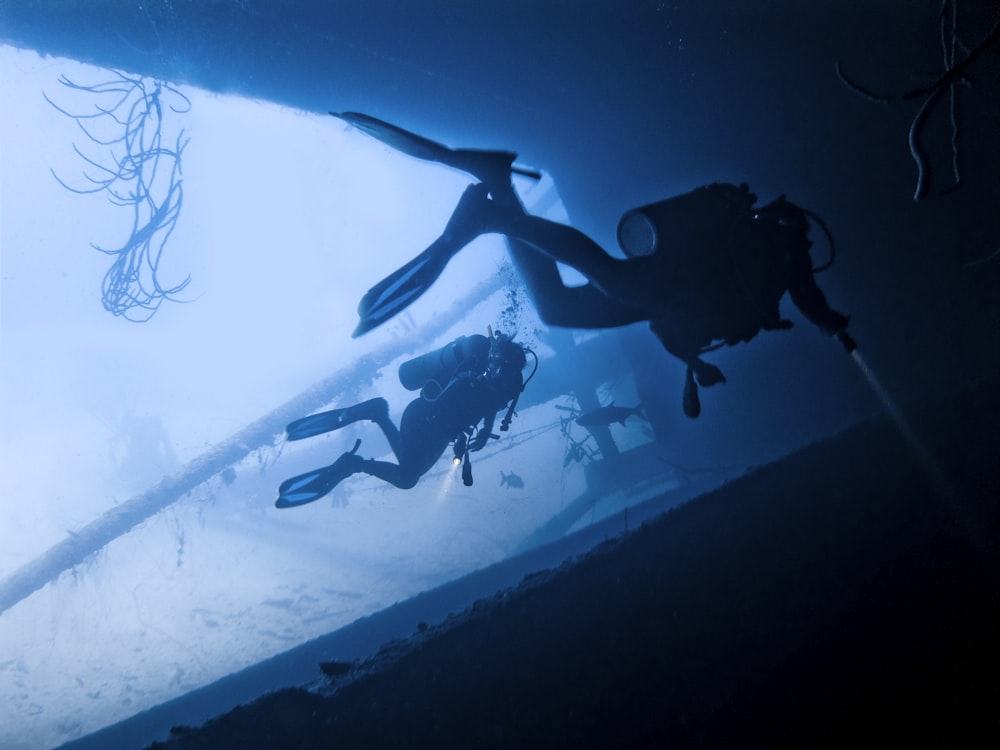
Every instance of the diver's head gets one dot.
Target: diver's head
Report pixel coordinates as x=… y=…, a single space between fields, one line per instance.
x=506 y=355
x=783 y=216
x=507 y=361
x=782 y=226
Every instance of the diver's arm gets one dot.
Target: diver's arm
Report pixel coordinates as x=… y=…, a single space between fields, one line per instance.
x=810 y=300
x=484 y=434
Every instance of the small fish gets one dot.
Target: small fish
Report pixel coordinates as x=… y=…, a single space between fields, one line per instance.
x=511 y=480
x=608 y=414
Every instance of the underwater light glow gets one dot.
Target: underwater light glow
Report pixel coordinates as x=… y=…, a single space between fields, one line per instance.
x=920 y=451
x=288 y=217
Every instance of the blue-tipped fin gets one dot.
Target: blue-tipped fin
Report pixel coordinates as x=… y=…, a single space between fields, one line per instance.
x=315 y=424
x=304 y=489
x=311 y=486
x=402 y=287
x=399 y=289
x=327 y=421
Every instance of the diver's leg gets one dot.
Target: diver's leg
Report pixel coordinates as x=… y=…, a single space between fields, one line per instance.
x=390 y=431
x=405 y=474
x=417 y=444
x=584 y=306
x=566 y=306
x=622 y=280
x=568 y=245
x=389 y=472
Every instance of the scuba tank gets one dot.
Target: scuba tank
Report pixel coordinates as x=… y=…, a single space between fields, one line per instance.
x=441 y=365
x=685 y=223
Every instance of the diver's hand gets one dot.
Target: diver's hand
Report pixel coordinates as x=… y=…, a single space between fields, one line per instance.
x=480 y=440
x=838 y=328
x=845 y=339
x=706 y=374
x=836 y=323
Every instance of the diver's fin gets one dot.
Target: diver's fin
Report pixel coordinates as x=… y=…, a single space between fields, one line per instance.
x=690 y=400
x=402 y=140
x=397 y=290
x=327 y=421
x=315 y=424
x=304 y=489
x=311 y=486
x=486 y=166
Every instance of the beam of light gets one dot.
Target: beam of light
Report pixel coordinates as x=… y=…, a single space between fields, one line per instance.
x=963 y=517
x=454 y=467
x=920 y=451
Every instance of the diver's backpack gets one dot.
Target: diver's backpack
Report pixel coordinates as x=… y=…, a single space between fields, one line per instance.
x=691 y=232
x=435 y=370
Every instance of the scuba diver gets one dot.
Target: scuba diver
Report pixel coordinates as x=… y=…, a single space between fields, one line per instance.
x=462 y=384
x=706 y=269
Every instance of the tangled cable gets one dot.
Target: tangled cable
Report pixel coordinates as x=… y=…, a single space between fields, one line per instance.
x=945 y=83
x=135 y=170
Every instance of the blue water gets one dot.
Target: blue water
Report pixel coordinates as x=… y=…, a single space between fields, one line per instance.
x=142 y=444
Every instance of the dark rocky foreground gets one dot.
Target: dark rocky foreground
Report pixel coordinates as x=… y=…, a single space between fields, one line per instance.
x=847 y=594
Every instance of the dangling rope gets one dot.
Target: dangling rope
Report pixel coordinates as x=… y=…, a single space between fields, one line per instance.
x=953 y=74
x=137 y=170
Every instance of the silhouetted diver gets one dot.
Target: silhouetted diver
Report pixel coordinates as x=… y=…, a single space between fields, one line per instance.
x=705 y=268
x=461 y=385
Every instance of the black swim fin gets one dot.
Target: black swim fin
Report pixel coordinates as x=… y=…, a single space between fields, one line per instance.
x=489 y=167
x=395 y=292
x=402 y=140
x=402 y=287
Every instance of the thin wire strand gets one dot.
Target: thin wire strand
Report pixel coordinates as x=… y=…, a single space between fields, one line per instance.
x=953 y=74
x=135 y=170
